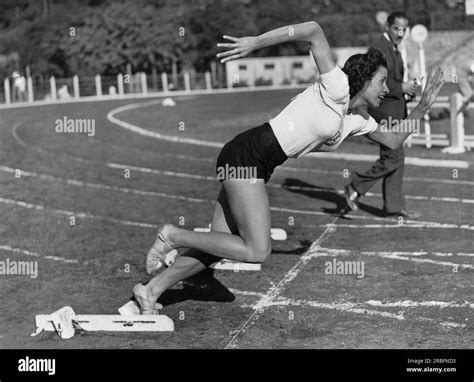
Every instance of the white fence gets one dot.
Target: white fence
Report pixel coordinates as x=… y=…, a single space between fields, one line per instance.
x=456 y=141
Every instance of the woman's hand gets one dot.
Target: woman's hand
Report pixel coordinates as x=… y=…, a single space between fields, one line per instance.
x=434 y=83
x=240 y=47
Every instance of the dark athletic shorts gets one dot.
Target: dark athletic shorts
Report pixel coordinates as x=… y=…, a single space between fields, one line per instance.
x=252 y=154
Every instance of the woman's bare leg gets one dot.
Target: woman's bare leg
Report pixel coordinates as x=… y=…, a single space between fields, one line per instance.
x=250 y=209
x=192 y=261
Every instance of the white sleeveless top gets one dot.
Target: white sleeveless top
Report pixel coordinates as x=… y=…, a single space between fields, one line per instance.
x=317 y=118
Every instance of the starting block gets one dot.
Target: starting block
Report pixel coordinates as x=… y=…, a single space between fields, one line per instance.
x=277 y=234
x=236 y=266
x=65 y=322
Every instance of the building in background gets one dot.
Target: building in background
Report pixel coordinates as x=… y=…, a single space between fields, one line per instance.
x=280 y=70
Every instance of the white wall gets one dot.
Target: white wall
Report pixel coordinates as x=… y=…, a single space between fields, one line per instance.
x=248 y=70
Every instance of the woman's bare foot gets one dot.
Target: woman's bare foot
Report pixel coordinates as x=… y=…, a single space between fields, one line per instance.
x=144 y=300
x=162 y=251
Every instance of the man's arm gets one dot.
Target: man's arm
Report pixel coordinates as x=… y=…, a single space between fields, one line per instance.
x=310 y=32
x=393 y=140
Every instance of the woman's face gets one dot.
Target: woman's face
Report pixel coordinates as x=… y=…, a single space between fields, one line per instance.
x=376 y=88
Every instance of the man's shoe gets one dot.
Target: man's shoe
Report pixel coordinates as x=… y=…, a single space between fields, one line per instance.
x=352 y=197
x=410 y=215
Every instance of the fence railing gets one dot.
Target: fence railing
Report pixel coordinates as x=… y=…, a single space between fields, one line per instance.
x=456 y=140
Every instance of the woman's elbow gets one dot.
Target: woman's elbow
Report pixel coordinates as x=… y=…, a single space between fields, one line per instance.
x=315 y=28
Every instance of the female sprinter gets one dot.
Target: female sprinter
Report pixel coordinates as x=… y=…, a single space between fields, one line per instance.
x=318 y=119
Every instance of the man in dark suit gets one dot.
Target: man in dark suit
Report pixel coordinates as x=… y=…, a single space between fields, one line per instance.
x=390 y=165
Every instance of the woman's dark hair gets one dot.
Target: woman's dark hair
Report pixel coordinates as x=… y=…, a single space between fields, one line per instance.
x=361 y=68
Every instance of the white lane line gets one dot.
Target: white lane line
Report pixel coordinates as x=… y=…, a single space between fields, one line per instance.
x=332 y=252
x=406 y=223
x=139 y=130
x=212 y=160
x=78 y=214
x=417 y=304
x=25 y=252
x=160 y=172
x=276 y=290
x=279 y=186
x=83 y=215
x=79 y=183
x=371 y=194
x=443 y=181
x=337 y=156
x=360 y=308
x=415 y=161
x=72 y=182
x=417 y=260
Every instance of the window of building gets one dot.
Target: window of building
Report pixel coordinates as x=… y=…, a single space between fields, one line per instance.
x=297 y=65
x=242 y=67
x=269 y=66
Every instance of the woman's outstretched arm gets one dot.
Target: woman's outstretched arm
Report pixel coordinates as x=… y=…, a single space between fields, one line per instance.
x=393 y=140
x=310 y=32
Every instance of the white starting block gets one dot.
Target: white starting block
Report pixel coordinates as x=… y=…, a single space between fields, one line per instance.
x=65 y=322
x=277 y=234
x=236 y=266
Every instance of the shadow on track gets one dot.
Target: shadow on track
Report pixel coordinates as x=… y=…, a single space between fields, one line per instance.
x=329 y=195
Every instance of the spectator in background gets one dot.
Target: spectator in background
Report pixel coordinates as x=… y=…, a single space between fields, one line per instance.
x=391 y=163
x=19 y=87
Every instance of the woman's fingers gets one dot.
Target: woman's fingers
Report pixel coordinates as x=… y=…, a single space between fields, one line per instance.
x=234 y=57
x=228 y=53
x=225 y=45
x=235 y=39
x=430 y=74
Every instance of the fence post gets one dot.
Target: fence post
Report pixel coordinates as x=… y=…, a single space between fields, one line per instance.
x=29 y=87
x=187 y=82
x=164 y=80
x=208 y=81
x=52 y=84
x=98 y=85
x=75 y=85
x=29 y=84
x=154 y=78
x=6 y=86
x=143 y=81
x=120 y=84
x=456 y=138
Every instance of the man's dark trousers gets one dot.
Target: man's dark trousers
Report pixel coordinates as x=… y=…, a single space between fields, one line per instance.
x=388 y=167
x=391 y=163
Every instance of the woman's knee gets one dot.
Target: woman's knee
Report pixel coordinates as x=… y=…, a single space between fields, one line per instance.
x=258 y=253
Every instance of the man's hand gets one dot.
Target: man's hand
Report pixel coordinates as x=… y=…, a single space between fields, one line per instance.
x=240 y=47
x=434 y=84
x=409 y=88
